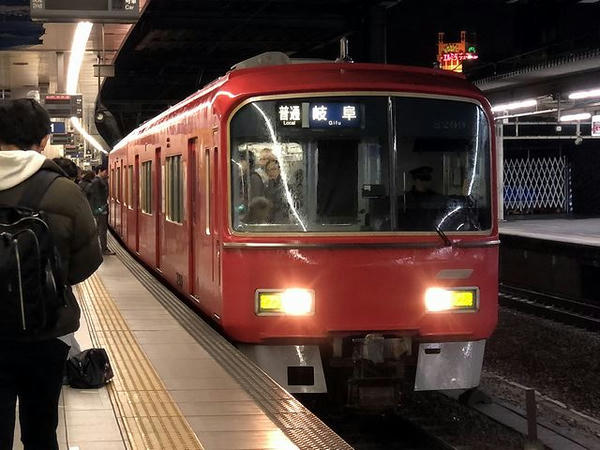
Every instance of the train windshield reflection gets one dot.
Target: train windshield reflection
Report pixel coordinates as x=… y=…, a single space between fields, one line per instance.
x=360 y=164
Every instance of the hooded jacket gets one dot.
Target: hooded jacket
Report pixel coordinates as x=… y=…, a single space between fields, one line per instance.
x=70 y=221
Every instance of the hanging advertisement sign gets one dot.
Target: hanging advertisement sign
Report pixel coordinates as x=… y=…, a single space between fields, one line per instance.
x=452 y=54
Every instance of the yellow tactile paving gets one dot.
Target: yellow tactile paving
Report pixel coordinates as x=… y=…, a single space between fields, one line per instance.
x=146 y=413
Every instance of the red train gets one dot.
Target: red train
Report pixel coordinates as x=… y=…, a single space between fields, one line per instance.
x=325 y=215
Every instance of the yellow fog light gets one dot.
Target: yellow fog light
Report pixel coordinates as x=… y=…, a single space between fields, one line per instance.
x=453 y=299
x=292 y=302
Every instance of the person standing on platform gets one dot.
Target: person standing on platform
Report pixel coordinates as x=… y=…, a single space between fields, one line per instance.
x=32 y=363
x=68 y=167
x=84 y=184
x=98 y=195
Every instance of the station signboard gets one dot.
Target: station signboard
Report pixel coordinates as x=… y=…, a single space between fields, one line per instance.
x=99 y=11
x=62 y=139
x=73 y=152
x=64 y=105
x=57 y=127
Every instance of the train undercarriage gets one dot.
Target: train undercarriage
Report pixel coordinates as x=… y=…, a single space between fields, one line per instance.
x=370 y=372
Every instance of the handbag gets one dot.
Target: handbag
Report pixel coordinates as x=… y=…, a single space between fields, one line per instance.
x=89 y=369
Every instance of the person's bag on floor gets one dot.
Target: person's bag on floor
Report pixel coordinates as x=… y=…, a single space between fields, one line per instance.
x=90 y=369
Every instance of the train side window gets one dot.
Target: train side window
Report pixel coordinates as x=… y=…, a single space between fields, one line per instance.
x=119 y=184
x=112 y=183
x=174 y=189
x=146 y=187
x=130 y=187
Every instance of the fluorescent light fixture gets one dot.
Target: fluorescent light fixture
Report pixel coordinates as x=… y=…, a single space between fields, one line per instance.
x=93 y=142
x=80 y=38
x=515 y=105
x=584 y=94
x=572 y=117
x=530 y=113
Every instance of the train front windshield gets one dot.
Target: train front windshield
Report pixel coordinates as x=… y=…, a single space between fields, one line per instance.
x=360 y=164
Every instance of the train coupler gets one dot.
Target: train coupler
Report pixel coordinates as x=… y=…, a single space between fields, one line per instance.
x=378 y=371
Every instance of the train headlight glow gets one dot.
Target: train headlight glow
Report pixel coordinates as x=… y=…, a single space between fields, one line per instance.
x=290 y=302
x=454 y=299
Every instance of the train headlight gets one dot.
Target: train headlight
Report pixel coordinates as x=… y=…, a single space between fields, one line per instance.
x=451 y=299
x=290 y=302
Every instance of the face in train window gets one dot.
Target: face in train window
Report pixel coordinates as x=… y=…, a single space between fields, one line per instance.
x=328 y=164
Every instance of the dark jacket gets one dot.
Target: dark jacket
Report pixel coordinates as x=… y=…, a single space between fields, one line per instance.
x=84 y=185
x=74 y=232
x=97 y=193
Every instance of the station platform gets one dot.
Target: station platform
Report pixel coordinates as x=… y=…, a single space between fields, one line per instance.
x=566 y=230
x=558 y=256
x=178 y=383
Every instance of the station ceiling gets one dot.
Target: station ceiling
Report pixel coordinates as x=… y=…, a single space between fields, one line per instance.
x=178 y=46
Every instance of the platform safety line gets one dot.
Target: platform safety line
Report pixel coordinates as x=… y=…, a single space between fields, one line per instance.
x=148 y=416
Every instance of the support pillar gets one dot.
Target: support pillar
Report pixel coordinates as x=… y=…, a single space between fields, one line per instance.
x=499 y=128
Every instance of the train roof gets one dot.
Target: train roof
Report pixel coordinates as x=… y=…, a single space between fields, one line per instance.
x=240 y=83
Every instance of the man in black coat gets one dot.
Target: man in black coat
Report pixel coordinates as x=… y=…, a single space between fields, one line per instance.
x=98 y=195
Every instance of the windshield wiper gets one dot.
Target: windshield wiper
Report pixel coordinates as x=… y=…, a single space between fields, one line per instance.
x=445 y=238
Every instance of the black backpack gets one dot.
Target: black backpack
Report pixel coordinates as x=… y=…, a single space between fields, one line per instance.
x=31 y=286
x=89 y=369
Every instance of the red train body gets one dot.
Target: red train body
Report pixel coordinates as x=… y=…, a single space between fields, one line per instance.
x=180 y=201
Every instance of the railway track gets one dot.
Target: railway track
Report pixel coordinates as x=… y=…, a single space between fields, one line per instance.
x=389 y=431
x=424 y=421
x=578 y=313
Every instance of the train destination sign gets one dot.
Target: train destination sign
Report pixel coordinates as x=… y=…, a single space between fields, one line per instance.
x=64 y=105
x=335 y=115
x=104 y=11
x=290 y=115
x=320 y=115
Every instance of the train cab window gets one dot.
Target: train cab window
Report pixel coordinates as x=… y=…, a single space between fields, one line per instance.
x=146 y=187
x=174 y=189
x=443 y=164
x=349 y=164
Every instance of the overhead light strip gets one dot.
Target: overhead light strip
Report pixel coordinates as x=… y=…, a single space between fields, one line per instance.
x=575 y=117
x=80 y=38
x=514 y=105
x=584 y=94
x=532 y=113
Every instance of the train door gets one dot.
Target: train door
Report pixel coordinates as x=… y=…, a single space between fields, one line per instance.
x=207 y=264
x=136 y=202
x=158 y=203
x=215 y=224
x=192 y=207
x=120 y=196
x=125 y=203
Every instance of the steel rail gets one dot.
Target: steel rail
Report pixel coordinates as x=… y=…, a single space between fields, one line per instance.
x=569 y=311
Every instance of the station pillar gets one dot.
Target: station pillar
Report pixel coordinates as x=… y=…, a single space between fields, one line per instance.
x=499 y=128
